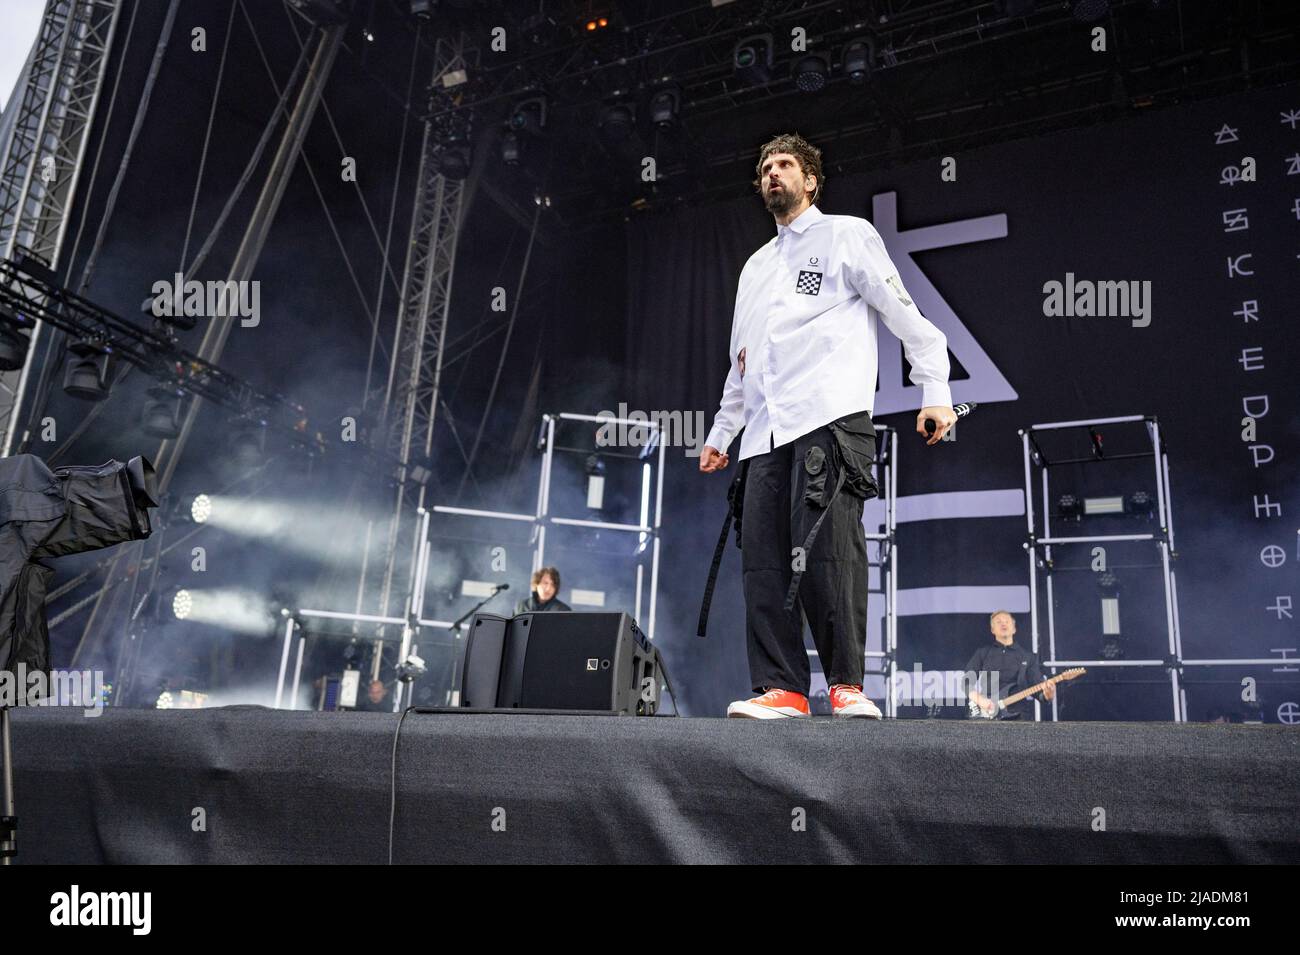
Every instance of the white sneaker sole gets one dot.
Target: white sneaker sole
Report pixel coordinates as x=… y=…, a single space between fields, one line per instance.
x=867 y=710
x=753 y=711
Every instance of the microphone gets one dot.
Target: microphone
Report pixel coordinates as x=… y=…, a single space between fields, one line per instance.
x=501 y=587
x=962 y=410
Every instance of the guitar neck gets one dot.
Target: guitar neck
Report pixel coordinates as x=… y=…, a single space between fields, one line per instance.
x=1030 y=691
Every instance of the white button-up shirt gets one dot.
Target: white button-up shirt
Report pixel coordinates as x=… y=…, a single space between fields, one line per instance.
x=803 y=338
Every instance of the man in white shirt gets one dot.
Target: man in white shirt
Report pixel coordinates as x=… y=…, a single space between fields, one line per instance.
x=801 y=384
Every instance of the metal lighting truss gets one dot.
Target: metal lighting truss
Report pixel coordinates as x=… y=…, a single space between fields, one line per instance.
x=415 y=371
x=43 y=141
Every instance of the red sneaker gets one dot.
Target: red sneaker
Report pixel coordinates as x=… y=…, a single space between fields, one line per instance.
x=847 y=700
x=772 y=705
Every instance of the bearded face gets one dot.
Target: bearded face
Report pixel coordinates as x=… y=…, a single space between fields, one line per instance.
x=784 y=184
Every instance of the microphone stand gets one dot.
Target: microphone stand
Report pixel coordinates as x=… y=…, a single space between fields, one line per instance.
x=454 y=630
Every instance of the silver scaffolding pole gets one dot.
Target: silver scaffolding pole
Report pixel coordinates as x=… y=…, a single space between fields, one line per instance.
x=886 y=542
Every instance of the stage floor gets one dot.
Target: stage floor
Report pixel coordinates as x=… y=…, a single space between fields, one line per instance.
x=268 y=786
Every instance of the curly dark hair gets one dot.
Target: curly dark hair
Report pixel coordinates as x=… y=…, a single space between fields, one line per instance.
x=552 y=572
x=809 y=156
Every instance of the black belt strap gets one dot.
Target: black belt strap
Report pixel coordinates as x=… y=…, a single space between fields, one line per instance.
x=733 y=492
x=793 y=592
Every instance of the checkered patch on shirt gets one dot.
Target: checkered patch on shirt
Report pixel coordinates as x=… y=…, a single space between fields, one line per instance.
x=810 y=283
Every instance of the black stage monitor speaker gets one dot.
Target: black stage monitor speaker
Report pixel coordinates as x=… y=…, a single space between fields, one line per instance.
x=589 y=662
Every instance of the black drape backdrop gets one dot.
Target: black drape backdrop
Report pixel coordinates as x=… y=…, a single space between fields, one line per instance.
x=682 y=268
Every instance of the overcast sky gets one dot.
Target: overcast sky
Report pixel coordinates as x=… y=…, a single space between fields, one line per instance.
x=19 y=20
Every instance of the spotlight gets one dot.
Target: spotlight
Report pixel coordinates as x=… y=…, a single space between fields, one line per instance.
x=162 y=412
x=1112 y=648
x=249 y=443
x=1108 y=584
x=858 y=57
x=751 y=58
x=664 y=107
x=1069 y=507
x=201 y=509
x=529 y=116
x=164 y=701
x=811 y=72
x=617 y=122
x=454 y=160
x=182 y=604
x=512 y=147
x=87 y=375
x=13 y=347
x=1140 y=504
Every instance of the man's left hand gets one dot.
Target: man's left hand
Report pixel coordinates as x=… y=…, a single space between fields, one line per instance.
x=943 y=418
x=1049 y=691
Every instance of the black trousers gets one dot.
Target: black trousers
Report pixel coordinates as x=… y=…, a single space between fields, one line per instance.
x=786 y=490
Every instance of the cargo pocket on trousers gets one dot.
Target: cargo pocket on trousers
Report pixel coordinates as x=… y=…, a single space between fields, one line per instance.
x=855 y=444
x=816 y=469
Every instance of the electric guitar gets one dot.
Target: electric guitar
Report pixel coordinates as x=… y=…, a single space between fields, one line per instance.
x=977 y=712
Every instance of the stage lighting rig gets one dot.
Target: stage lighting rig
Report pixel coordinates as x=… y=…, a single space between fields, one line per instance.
x=859 y=57
x=100 y=338
x=178 y=601
x=14 y=341
x=1069 y=507
x=512 y=147
x=617 y=122
x=529 y=115
x=752 y=59
x=90 y=365
x=201 y=509
x=812 y=72
x=249 y=443
x=665 y=107
x=161 y=417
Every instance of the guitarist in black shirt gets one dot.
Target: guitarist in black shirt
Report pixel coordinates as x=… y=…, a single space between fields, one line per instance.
x=1003 y=667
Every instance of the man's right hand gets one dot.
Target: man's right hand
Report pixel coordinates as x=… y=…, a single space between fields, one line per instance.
x=711 y=459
